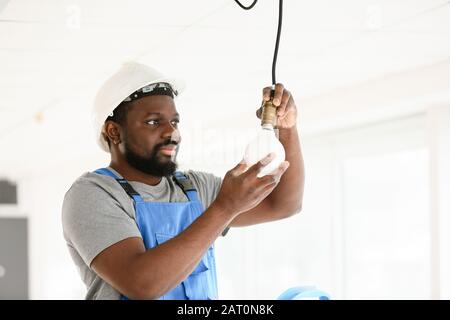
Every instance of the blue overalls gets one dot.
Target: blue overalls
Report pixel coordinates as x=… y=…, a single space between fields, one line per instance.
x=161 y=221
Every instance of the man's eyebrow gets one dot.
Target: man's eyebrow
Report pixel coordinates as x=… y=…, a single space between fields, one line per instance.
x=160 y=114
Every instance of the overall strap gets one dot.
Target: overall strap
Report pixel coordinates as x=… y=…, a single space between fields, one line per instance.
x=186 y=185
x=123 y=183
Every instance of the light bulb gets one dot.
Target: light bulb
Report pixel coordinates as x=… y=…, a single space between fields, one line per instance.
x=265 y=142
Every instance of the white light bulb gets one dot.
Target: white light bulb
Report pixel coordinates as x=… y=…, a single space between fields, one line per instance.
x=265 y=142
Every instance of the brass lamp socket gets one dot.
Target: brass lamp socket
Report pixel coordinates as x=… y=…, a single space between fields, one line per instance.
x=269 y=114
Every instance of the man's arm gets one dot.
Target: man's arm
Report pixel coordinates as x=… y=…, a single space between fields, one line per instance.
x=149 y=274
x=141 y=274
x=286 y=199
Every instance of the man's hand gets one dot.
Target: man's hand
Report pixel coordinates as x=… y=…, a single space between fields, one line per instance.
x=286 y=108
x=242 y=190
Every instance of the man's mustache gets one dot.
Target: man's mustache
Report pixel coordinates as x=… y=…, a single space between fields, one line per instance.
x=166 y=143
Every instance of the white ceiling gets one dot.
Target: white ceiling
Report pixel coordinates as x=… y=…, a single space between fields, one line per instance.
x=54 y=54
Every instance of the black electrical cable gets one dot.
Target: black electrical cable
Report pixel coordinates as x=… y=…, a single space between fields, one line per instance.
x=277 y=42
x=244 y=7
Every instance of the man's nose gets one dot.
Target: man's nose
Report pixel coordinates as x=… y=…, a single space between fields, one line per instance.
x=170 y=132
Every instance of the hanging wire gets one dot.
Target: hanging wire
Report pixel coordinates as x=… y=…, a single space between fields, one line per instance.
x=244 y=7
x=277 y=42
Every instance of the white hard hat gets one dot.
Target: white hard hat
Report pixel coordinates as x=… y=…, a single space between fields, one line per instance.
x=130 y=77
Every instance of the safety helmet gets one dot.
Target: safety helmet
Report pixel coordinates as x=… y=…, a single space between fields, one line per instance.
x=131 y=77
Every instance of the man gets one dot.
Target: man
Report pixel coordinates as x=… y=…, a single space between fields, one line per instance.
x=141 y=230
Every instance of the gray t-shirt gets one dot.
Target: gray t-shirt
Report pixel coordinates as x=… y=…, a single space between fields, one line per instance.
x=98 y=213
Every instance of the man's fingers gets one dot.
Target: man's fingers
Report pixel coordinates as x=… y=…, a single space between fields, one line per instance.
x=277 y=97
x=266 y=93
x=259 y=113
x=282 y=109
x=239 y=168
x=268 y=189
x=270 y=181
x=281 y=169
x=264 y=193
x=256 y=168
x=275 y=176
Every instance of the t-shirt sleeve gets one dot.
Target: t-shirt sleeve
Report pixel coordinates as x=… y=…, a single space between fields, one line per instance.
x=208 y=187
x=93 y=220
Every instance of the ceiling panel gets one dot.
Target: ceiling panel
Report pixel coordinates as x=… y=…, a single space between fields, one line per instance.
x=54 y=54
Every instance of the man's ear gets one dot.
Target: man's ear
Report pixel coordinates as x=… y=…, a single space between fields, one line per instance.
x=112 y=131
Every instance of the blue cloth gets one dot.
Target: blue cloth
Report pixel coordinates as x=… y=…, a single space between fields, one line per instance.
x=159 y=222
x=304 y=293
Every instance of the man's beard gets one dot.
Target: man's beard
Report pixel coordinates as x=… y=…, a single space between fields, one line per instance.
x=152 y=165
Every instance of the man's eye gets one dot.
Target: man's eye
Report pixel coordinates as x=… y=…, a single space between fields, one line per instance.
x=153 y=122
x=175 y=122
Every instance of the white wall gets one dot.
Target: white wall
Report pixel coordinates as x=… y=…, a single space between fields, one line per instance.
x=439 y=175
